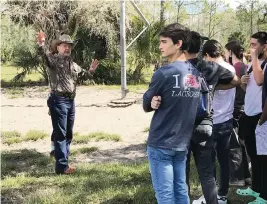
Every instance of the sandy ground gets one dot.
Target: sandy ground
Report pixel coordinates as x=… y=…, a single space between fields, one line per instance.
x=92 y=114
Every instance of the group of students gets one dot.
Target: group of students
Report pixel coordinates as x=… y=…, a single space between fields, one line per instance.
x=227 y=132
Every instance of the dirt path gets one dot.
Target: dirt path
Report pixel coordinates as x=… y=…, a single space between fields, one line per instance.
x=92 y=114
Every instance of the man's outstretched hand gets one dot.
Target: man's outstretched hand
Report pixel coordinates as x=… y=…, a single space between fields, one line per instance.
x=41 y=38
x=93 y=65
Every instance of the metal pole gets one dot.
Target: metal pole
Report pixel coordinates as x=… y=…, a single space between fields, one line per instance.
x=144 y=18
x=123 y=50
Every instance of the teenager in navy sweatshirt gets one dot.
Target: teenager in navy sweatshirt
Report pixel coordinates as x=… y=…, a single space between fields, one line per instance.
x=177 y=84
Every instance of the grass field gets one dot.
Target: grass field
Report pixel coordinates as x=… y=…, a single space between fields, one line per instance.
x=16 y=90
x=8 y=72
x=28 y=177
x=12 y=137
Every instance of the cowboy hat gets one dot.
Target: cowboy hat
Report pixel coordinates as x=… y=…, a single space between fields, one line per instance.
x=62 y=39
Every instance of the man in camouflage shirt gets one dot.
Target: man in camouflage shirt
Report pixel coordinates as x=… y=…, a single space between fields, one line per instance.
x=62 y=74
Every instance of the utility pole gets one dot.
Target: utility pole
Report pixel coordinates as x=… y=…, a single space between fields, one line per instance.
x=123 y=46
x=123 y=49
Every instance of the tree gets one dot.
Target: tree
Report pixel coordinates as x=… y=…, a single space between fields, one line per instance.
x=239 y=36
x=214 y=10
x=252 y=16
x=145 y=50
x=179 y=4
x=215 y=20
x=93 y=21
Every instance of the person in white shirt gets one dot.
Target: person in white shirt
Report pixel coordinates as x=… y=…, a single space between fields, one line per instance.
x=223 y=107
x=252 y=84
x=239 y=167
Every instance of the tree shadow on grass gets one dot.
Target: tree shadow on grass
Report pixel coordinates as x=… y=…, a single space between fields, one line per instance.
x=27 y=172
x=105 y=183
x=135 y=153
x=26 y=161
x=29 y=163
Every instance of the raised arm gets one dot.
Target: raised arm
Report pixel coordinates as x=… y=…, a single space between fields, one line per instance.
x=42 y=51
x=258 y=72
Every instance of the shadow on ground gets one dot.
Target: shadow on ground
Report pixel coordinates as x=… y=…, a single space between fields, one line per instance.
x=27 y=177
x=25 y=161
x=135 y=153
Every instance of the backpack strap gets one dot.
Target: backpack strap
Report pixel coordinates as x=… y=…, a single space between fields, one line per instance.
x=262 y=66
x=199 y=67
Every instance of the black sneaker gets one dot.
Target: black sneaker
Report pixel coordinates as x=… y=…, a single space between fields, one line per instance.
x=237 y=183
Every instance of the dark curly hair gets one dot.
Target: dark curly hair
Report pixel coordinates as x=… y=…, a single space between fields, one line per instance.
x=213 y=48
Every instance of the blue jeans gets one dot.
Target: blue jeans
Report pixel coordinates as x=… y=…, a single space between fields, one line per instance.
x=221 y=139
x=167 y=169
x=62 y=111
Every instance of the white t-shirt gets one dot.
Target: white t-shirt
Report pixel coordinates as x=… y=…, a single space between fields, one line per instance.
x=253 y=97
x=223 y=100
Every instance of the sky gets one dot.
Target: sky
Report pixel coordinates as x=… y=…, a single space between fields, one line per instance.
x=232 y=3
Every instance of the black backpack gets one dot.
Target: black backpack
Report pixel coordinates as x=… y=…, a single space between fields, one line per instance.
x=205 y=100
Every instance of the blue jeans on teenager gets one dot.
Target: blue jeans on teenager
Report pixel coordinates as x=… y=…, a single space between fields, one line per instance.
x=62 y=111
x=167 y=169
x=221 y=139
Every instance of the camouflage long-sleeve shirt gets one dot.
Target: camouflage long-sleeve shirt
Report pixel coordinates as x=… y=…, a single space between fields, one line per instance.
x=62 y=71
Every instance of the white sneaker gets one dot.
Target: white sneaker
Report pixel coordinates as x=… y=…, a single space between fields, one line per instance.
x=201 y=200
x=222 y=199
x=237 y=183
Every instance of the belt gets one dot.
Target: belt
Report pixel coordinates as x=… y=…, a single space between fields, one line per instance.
x=70 y=95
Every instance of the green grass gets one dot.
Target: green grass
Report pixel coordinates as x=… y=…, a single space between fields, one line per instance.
x=14 y=140
x=15 y=92
x=10 y=134
x=34 y=135
x=28 y=177
x=131 y=87
x=8 y=72
x=96 y=136
x=105 y=136
x=12 y=137
x=84 y=150
x=137 y=87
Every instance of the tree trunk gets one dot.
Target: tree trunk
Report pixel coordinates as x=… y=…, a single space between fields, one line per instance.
x=162 y=12
x=179 y=5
